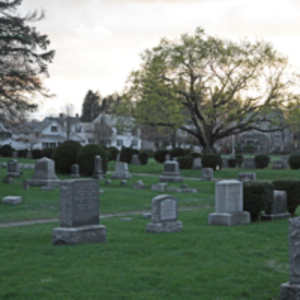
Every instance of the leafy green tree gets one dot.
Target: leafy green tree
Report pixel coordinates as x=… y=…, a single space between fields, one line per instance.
x=90 y=106
x=209 y=87
x=23 y=61
x=110 y=103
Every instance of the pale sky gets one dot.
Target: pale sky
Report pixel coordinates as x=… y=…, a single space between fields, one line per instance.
x=99 y=42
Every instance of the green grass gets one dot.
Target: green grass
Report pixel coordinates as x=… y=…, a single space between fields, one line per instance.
x=202 y=262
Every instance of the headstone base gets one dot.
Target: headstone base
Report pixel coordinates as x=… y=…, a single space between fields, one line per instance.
x=79 y=235
x=289 y=291
x=170 y=178
x=175 y=226
x=121 y=175
x=275 y=216
x=229 y=219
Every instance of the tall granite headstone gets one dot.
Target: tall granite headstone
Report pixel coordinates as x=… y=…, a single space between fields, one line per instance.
x=247 y=176
x=291 y=290
x=98 y=172
x=229 y=204
x=207 y=174
x=75 y=171
x=171 y=172
x=13 y=169
x=44 y=173
x=121 y=171
x=79 y=214
x=224 y=162
x=164 y=215
x=135 y=160
x=249 y=163
x=197 y=163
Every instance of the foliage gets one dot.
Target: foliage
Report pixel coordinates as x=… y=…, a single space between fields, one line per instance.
x=262 y=161
x=232 y=162
x=22 y=153
x=126 y=154
x=177 y=152
x=37 y=153
x=185 y=162
x=86 y=158
x=258 y=196
x=195 y=154
x=102 y=131
x=114 y=151
x=239 y=159
x=65 y=156
x=110 y=103
x=24 y=62
x=294 y=161
x=6 y=151
x=211 y=161
x=160 y=155
x=143 y=157
x=149 y=152
x=292 y=188
x=135 y=151
x=48 y=152
x=90 y=106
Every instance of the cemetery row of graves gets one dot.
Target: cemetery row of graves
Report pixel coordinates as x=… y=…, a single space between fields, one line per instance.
x=157 y=242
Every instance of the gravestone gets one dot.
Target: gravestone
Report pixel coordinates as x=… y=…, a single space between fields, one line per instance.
x=158 y=187
x=29 y=155
x=135 y=160
x=188 y=190
x=229 y=204
x=164 y=215
x=285 y=160
x=13 y=169
x=291 y=290
x=47 y=188
x=167 y=157
x=247 y=176
x=98 y=172
x=4 y=165
x=279 y=207
x=139 y=185
x=278 y=165
x=26 y=184
x=118 y=157
x=197 y=163
x=107 y=181
x=173 y=189
x=146 y=215
x=207 y=174
x=123 y=182
x=171 y=172
x=121 y=171
x=44 y=173
x=15 y=154
x=75 y=171
x=8 y=180
x=224 y=162
x=13 y=200
x=79 y=214
x=249 y=163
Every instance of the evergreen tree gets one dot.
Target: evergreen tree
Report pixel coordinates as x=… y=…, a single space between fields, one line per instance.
x=90 y=106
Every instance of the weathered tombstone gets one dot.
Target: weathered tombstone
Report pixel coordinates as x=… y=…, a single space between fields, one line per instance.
x=135 y=160
x=26 y=184
x=171 y=172
x=249 y=163
x=291 y=290
x=173 y=189
x=167 y=157
x=32 y=166
x=44 y=173
x=224 y=162
x=164 y=215
x=107 y=181
x=13 y=200
x=15 y=154
x=79 y=214
x=187 y=190
x=207 y=174
x=4 y=165
x=139 y=185
x=118 y=157
x=146 y=215
x=197 y=163
x=75 y=171
x=229 y=204
x=8 y=180
x=13 y=169
x=285 y=160
x=47 y=188
x=278 y=165
x=158 y=187
x=123 y=182
x=279 y=207
x=29 y=155
x=121 y=171
x=184 y=186
x=247 y=176
x=98 y=172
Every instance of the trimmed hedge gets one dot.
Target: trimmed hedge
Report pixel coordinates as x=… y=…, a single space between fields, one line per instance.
x=126 y=155
x=211 y=161
x=160 y=155
x=185 y=162
x=134 y=151
x=176 y=152
x=22 y=153
x=294 y=161
x=239 y=159
x=114 y=151
x=86 y=158
x=6 y=151
x=232 y=162
x=258 y=196
x=262 y=161
x=149 y=152
x=292 y=188
x=37 y=153
x=143 y=157
x=195 y=154
x=48 y=152
x=65 y=155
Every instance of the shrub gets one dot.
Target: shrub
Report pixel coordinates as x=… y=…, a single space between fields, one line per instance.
x=126 y=155
x=262 y=161
x=258 y=196
x=211 y=161
x=232 y=162
x=195 y=154
x=185 y=162
x=292 y=188
x=143 y=157
x=239 y=159
x=149 y=152
x=160 y=155
x=294 y=161
x=48 y=152
x=37 y=153
x=113 y=152
x=86 y=158
x=65 y=155
x=134 y=151
x=187 y=152
x=177 y=152
x=6 y=151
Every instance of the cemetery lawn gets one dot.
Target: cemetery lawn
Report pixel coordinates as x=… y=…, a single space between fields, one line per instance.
x=202 y=262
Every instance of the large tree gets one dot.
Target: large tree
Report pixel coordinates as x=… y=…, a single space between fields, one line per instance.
x=209 y=87
x=23 y=61
x=90 y=106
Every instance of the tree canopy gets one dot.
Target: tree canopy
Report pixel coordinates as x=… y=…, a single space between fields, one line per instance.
x=210 y=87
x=24 y=61
x=90 y=106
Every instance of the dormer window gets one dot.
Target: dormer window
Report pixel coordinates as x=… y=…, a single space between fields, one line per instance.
x=54 y=129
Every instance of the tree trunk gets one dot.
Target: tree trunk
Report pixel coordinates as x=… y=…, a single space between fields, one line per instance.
x=209 y=149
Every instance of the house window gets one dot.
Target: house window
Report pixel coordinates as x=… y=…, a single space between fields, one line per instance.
x=54 y=129
x=134 y=142
x=119 y=142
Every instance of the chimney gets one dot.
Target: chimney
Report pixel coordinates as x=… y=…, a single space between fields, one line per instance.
x=77 y=116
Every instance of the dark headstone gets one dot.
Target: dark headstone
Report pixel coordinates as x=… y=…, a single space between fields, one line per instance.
x=98 y=172
x=13 y=169
x=75 y=171
x=171 y=172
